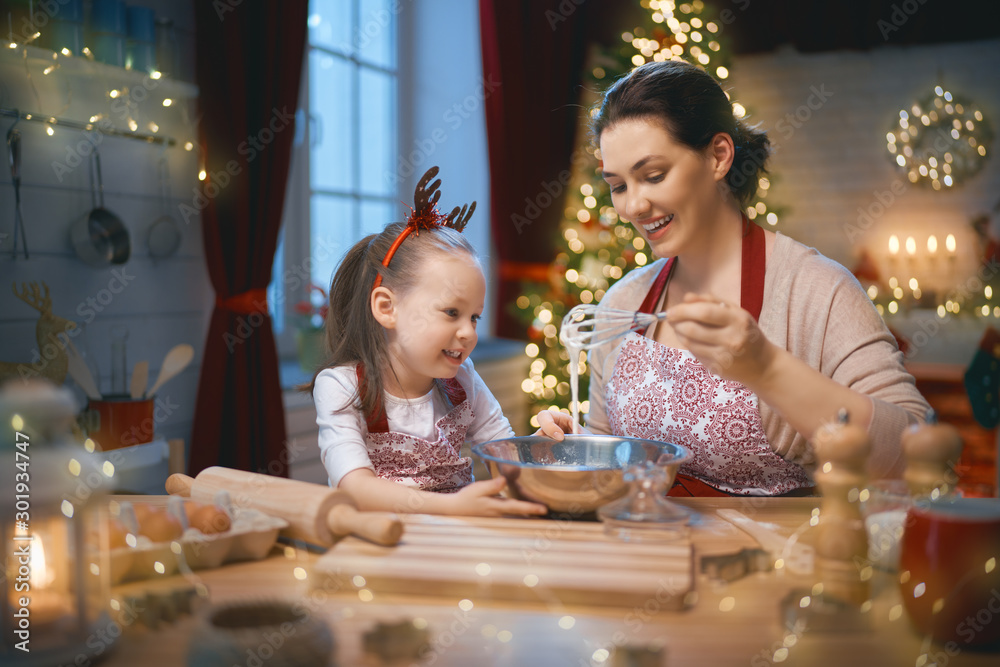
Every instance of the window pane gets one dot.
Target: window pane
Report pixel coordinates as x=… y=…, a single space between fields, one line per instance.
x=330 y=24
x=378 y=132
x=333 y=233
x=375 y=215
x=376 y=34
x=331 y=90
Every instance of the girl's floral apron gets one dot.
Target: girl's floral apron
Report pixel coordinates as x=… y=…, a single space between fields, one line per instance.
x=423 y=464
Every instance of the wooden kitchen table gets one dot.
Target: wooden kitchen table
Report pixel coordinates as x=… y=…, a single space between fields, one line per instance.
x=735 y=623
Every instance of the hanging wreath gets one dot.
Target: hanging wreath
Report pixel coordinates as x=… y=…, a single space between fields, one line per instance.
x=940 y=141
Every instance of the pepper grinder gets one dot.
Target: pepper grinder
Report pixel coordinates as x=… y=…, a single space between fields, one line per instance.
x=842 y=451
x=932 y=450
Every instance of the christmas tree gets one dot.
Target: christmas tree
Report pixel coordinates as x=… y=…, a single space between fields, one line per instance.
x=597 y=248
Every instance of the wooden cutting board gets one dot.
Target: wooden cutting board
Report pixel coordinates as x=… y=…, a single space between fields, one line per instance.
x=523 y=560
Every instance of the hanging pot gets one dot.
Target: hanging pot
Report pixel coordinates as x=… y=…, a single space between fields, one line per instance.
x=164 y=235
x=100 y=238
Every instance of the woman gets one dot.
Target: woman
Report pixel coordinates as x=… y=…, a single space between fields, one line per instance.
x=765 y=339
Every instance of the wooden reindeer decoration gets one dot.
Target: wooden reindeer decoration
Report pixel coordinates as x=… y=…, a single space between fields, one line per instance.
x=49 y=359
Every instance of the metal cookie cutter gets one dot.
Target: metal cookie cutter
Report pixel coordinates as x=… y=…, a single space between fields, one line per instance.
x=730 y=567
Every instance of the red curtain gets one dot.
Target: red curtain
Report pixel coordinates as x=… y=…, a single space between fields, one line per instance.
x=534 y=50
x=250 y=56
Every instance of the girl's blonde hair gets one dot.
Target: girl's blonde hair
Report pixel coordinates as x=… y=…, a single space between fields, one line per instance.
x=353 y=335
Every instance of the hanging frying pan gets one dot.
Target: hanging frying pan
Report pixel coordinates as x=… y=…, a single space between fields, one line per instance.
x=100 y=238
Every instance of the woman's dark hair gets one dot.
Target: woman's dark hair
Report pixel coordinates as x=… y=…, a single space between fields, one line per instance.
x=693 y=108
x=353 y=335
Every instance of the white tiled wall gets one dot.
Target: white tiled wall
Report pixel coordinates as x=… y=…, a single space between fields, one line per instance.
x=836 y=161
x=163 y=302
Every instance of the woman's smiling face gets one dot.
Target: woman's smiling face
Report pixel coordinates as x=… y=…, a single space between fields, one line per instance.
x=667 y=190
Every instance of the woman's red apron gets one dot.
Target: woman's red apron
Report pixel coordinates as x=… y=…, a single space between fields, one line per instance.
x=663 y=393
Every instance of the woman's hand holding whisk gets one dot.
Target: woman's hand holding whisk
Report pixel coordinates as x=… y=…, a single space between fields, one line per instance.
x=724 y=338
x=556 y=424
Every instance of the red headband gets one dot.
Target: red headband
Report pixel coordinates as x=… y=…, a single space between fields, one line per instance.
x=427 y=216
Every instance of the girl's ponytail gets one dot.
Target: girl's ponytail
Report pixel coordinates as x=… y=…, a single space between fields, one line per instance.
x=352 y=333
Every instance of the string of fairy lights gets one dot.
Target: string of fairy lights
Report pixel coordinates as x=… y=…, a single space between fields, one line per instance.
x=124 y=102
x=597 y=247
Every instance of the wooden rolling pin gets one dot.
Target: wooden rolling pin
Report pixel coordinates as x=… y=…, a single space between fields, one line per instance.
x=315 y=513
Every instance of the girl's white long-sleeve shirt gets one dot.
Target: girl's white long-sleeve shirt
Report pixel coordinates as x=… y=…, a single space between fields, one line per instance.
x=343 y=432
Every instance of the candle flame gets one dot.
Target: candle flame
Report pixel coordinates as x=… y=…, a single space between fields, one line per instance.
x=40 y=576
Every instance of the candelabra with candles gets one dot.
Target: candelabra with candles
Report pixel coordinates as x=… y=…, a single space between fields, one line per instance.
x=918 y=278
x=56 y=592
x=893 y=257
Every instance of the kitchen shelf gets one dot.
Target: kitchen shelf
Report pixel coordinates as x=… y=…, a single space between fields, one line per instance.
x=77 y=93
x=87 y=127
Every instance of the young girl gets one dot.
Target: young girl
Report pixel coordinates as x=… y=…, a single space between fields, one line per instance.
x=400 y=395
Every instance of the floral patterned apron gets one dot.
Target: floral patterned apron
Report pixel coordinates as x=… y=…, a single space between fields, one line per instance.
x=663 y=393
x=420 y=463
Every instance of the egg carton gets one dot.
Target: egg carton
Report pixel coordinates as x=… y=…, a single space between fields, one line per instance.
x=251 y=536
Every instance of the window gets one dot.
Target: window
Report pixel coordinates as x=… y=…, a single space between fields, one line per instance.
x=357 y=159
x=342 y=178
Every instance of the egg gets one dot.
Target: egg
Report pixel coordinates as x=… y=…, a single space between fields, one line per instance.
x=210 y=519
x=190 y=507
x=159 y=526
x=141 y=511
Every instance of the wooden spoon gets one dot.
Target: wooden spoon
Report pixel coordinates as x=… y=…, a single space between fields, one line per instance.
x=140 y=378
x=176 y=360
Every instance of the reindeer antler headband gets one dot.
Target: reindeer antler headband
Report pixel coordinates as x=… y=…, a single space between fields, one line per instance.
x=425 y=215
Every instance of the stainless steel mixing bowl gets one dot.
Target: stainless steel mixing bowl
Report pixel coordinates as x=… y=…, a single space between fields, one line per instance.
x=577 y=475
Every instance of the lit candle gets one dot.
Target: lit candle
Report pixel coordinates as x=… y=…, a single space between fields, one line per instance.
x=47 y=607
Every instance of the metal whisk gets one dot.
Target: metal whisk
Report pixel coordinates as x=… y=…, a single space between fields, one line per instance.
x=588 y=325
